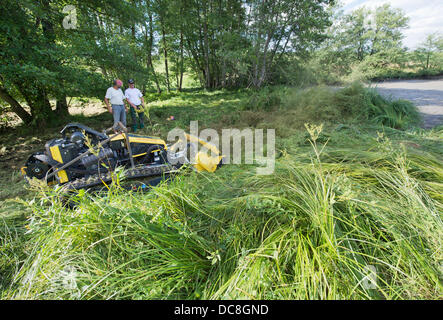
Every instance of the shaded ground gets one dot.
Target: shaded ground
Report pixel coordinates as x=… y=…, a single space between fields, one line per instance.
x=426 y=94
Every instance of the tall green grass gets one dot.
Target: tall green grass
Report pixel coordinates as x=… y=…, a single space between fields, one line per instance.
x=313 y=230
x=288 y=109
x=363 y=194
x=353 y=103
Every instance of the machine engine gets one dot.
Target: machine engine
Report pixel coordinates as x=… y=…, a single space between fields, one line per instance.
x=77 y=140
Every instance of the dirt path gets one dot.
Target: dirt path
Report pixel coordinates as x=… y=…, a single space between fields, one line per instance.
x=426 y=94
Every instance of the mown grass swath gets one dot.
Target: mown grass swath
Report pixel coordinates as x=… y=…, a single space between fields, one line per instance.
x=344 y=200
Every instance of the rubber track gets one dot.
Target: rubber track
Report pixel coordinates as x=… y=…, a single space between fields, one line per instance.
x=97 y=179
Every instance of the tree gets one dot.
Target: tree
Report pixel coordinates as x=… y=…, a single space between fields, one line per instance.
x=367 y=40
x=225 y=43
x=42 y=61
x=235 y=43
x=429 y=52
x=356 y=33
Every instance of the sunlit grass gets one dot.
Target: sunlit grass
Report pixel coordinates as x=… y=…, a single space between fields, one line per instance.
x=346 y=197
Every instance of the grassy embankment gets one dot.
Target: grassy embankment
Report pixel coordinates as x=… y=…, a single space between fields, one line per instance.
x=362 y=191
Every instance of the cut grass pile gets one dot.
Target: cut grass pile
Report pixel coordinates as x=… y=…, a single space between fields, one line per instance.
x=351 y=212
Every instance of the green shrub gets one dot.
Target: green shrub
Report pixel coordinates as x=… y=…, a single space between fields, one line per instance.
x=398 y=114
x=12 y=250
x=353 y=103
x=266 y=99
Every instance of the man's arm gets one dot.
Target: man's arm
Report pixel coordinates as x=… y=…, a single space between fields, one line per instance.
x=108 y=105
x=128 y=101
x=141 y=98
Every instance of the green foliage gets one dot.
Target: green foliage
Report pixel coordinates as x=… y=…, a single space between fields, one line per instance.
x=44 y=61
x=160 y=44
x=354 y=103
x=266 y=99
x=12 y=249
x=237 y=45
x=429 y=56
x=397 y=114
x=367 y=45
x=293 y=71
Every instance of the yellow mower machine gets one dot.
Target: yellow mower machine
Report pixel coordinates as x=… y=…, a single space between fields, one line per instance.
x=84 y=158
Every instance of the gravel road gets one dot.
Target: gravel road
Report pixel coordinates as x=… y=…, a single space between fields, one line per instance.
x=426 y=94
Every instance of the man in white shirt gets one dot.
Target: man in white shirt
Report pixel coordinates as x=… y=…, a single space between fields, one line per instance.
x=135 y=99
x=114 y=102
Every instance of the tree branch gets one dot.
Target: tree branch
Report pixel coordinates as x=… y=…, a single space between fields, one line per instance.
x=16 y=107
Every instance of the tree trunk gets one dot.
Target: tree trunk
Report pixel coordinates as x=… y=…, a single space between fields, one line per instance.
x=223 y=74
x=206 y=47
x=15 y=106
x=263 y=71
x=37 y=100
x=149 y=62
x=61 y=107
x=165 y=53
x=180 y=86
x=41 y=108
x=197 y=62
x=47 y=25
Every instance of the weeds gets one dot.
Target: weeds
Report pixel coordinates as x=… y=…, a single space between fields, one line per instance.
x=352 y=212
x=352 y=104
x=311 y=231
